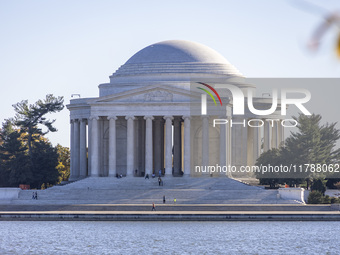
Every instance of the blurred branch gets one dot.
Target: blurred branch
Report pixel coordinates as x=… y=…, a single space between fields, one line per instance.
x=330 y=18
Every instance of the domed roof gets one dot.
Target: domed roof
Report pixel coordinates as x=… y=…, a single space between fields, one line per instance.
x=176 y=56
x=176 y=51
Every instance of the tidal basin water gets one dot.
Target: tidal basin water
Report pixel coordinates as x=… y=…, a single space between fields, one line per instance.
x=32 y=237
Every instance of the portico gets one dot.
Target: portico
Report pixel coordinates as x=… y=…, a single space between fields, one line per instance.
x=130 y=145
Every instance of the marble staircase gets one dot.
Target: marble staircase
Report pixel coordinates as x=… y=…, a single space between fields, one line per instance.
x=105 y=190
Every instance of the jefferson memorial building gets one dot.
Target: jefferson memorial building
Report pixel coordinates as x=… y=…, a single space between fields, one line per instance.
x=143 y=121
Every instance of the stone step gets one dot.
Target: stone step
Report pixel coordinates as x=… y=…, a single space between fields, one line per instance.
x=138 y=190
x=166 y=207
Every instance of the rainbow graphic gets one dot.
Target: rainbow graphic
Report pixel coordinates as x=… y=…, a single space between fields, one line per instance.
x=209 y=93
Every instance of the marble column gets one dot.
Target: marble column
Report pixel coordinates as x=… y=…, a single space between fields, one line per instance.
x=112 y=146
x=228 y=138
x=187 y=153
x=223 y=146
x=95 y=147
x=205 y=141
x=250 y=145
x=76 y=148
x=281 y=134
x=256 y=144
x=162 y=145
x=148 y=145
x=275 y=131
x=157 y=145
x=72 y=153
x=228 y=142
x=130 y=146
x=278 y=133
x=267 y=138
x=82 y=149
x=89 y=140
x=168 y=145
x=177 y=146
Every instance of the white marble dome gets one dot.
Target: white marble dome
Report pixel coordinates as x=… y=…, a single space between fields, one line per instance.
x=173 y=63
x=176 y=56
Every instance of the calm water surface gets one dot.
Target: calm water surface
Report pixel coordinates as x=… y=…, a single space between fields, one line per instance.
x=169 y=237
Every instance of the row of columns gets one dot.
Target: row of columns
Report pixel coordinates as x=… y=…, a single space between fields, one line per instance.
x=249 y=136
x=78 y=149
x=273 y=135
x=79 y=152
x=224 y=143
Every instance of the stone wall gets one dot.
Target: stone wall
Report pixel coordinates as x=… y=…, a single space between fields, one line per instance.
x=298 y=194
x=9 y=193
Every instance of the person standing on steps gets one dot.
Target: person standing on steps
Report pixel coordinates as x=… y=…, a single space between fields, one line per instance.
x=175 y=200
x=153 y=207
x=163 y=199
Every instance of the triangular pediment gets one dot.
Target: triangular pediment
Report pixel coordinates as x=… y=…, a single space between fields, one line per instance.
x=152 y=93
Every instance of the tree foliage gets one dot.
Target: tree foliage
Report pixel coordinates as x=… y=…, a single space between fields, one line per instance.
x=26 y=156
x=45 y=160
x=313 y=143
x=15 y=165
x=30 y=117
x=318 y=185
x=63 y=162
x=272 y=157
x=315 y=197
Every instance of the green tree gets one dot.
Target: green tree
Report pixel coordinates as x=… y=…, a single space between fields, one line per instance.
x=315 y=197
x=272 y=157
x=15 y=165
x=318 y=185
x=26 y=156
x=29 y=117
x=63 y=162
x=313 y=143
x=45 y=161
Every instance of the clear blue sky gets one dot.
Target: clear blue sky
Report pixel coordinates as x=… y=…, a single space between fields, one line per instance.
x=65 y=47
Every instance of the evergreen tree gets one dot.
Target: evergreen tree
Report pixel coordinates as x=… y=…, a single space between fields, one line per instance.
x=312 y=144
x=318 y=185
x=26 y=157
x=45 y=160
x=15 y=165
x=28 y=117
x=272 y=157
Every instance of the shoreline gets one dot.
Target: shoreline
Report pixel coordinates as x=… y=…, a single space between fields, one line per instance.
x=168 y=216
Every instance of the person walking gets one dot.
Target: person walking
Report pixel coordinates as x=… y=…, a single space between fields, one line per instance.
x=163 y=199
x=153 y=207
